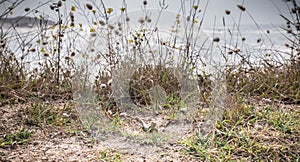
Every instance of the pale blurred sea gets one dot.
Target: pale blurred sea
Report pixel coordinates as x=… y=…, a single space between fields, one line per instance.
x=271 y=45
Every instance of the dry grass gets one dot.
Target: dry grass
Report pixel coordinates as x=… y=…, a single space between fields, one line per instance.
x=268 y=81
x=260 y=121
x=252 y=132
x=146 y=77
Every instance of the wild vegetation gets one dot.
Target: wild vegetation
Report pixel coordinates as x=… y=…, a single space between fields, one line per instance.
x=260 y=117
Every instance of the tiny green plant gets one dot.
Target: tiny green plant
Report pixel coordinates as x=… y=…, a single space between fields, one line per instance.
x=41 y=113
x=245 y=131
x=104 y=154
x=116 y=157
x=18 y=138
x=249 y=130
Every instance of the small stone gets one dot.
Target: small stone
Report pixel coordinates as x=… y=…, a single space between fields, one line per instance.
x=64 y=146
x=266 y=100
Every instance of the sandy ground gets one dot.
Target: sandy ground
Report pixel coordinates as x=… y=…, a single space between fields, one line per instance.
x=72 y=143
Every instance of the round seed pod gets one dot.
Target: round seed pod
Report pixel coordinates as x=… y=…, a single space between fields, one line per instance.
x=89 y=6
x=216 y=39
x=227 y=12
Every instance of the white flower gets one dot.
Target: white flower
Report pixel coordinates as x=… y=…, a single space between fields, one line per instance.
x=103 y=86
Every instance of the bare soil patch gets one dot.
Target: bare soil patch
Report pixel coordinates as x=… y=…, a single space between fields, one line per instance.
x=71 y=142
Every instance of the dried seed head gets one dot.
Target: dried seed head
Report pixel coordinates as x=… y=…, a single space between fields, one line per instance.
x=2 y=43
x=267 y=54
x=144 y=2
x=148 y=19
x=216 y=39
x=227 y=12
x=297 y=25
x=258 y=40
x=141 y=20
x=71 y=15
x=188 y=18
x=101 y=22
x=73 y=8
x=109 y=10
x=32 y=50
x=109 y=83
x=93 y=34
x=89 y=6
x=116 y=32
x=237 y=50
x=230 y=52
x=59 y=4
x=111 y=27
x=122 y=9
x=26 y=9
x=52 y=7
x=241 y=7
